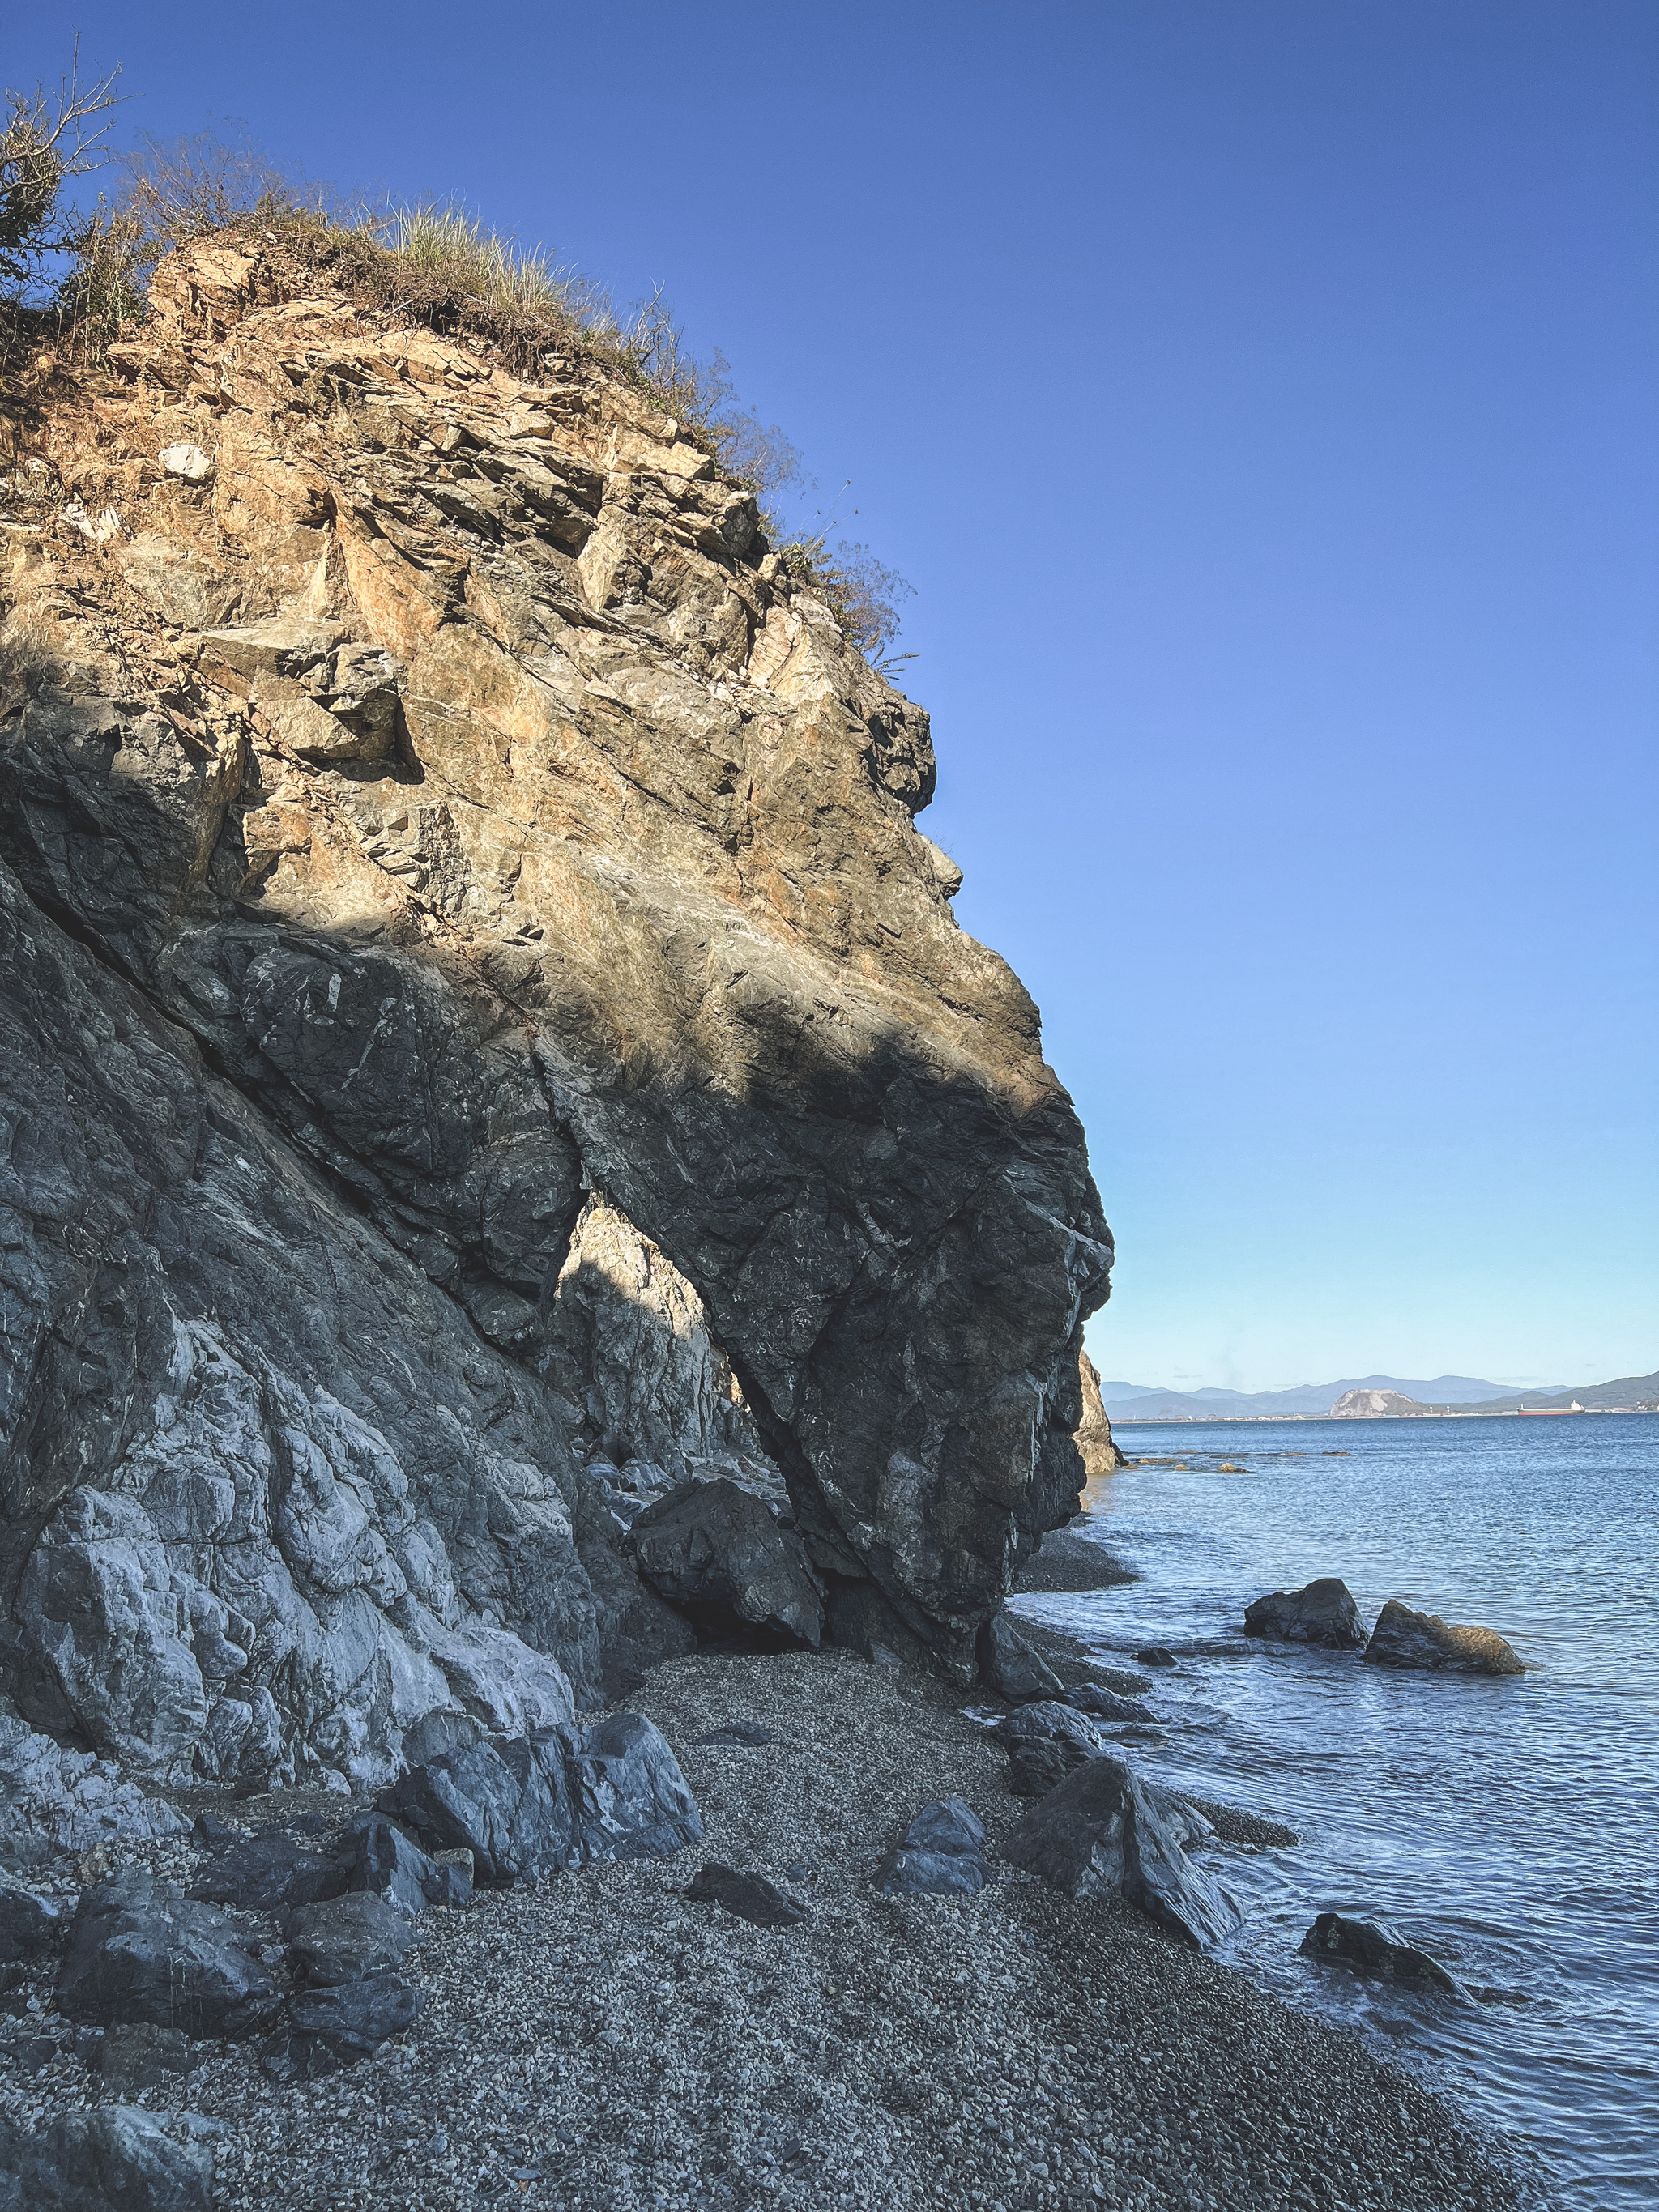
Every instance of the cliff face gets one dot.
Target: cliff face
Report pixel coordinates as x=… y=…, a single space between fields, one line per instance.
x=478 y=1012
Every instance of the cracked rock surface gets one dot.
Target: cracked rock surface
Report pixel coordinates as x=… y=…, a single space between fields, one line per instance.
x=482 y=1042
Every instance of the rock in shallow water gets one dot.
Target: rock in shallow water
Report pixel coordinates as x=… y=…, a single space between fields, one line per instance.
x=1101 y=1834
x=1422 y=1640
x=1321 y=1612
x=115 y=2159
x=1370 y=1947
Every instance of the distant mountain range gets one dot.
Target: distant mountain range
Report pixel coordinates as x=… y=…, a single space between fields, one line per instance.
x=1134 y=1401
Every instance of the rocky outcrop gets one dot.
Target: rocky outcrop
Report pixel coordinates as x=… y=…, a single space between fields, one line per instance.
x=479 y=1014
x=1101 y=1455
x=1374 y=1405
x=1402 y=1638
x=1321 y=1612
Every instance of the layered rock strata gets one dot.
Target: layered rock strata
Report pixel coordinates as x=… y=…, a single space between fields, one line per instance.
x=483 y=1031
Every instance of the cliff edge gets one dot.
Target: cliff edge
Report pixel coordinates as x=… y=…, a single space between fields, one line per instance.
x=478 y=1016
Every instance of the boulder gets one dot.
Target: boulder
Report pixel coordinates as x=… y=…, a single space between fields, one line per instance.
x=139 y=1951
x=116 y=2158
x=1156 y=1655
x=379 y=1858
x=1422 y=1640
x=1009 y=1666
x=714 y=1546
x=1370 y=1947
x=905 y=1872
x=531 y=1805
x=941 y=1854
x=341 y=2024
x=749 y=1897
x=271 y=1872
x=1321 y=1612
x=1051 y=1719
x=1100 y=1834
x=30 y=1925
x=347 y=1939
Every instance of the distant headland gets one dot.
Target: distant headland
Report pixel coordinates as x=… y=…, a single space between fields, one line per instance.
x=1376 y=1397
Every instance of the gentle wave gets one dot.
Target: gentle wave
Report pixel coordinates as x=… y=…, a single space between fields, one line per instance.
x=1510 y=1826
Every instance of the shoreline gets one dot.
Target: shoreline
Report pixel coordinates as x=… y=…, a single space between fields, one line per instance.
x=598 y=2042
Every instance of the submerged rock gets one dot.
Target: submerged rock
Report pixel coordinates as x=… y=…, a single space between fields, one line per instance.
x=1321 y=1612
x=1370 y=1947
x=1402 y=1638
x=116 y=2158
x=1099 y=1833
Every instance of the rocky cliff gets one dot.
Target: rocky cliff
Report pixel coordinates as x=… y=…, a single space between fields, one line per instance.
x=484 y=1043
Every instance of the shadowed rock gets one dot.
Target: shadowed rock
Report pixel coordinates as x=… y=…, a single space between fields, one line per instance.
x=713 y=1545
x=528 y=1806
x=139 y=1951
x=1011 y=1667
x=118 y=2158
x=347 y=1939
x=1321 y=1612
x=1422 y=1640
x=749 y=1897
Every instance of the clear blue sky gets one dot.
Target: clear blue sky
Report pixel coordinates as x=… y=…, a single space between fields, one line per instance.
x=1262 y=400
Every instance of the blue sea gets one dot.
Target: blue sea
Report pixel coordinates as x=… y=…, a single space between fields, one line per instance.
x=1510 y=1826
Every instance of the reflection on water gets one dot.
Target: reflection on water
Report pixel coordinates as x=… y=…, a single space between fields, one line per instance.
x=1511 y=1826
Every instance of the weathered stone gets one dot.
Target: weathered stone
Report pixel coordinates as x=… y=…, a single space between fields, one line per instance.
x=749 y=1897
x=1422 y=1640
x=1093 y=1434
x=271 y=1872
x=139 y=1952
x=31 y=1926
x=1100 y=1834
x=341 y=2024
x=1321 y=1612
x=117 y=2158
x=714 y=1547
x=1011 y=1667
x=1370 y=1947
x=347 y=1939
x=380 y=1859
x=947 y=1824
x=905 y=1872
x=527 y=1807
x=1051 y=1719
x=188 y=461
x=941 y=1854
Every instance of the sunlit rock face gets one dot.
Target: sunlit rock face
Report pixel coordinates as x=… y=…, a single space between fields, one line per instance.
x=477 y=1006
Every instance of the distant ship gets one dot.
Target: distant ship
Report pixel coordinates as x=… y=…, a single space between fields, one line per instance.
x=1537 y=1412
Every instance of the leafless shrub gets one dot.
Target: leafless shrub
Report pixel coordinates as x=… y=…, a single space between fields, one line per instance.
x=48 y=136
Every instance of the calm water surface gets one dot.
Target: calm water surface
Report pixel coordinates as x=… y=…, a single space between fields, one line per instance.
x=1508 y=1825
